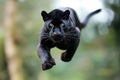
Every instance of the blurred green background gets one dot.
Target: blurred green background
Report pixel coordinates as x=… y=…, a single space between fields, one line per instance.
x=20 y=25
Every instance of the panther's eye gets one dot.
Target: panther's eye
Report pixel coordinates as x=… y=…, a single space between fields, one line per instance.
x=62 y=25
x=51 y=25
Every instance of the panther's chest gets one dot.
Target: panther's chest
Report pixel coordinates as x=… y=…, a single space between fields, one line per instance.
x=70 y=39
x=66 y=43
x=62 y=45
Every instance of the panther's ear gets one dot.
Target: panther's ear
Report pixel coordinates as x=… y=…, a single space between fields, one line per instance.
x=44 y=15
x=66 y=15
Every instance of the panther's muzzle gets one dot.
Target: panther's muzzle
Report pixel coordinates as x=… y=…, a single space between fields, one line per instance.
x=57 y=36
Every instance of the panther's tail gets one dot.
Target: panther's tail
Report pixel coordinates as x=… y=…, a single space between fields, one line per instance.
x=89 y=16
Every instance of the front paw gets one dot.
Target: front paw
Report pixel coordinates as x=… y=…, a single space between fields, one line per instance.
x=48 y=64
x=65 y=57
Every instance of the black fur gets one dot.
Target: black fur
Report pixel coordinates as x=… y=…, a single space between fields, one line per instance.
x=62 y=30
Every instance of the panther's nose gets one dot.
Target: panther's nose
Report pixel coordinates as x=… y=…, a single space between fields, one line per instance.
x=57 y=33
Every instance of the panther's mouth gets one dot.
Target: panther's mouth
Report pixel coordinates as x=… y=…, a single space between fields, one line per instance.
x=57 y=38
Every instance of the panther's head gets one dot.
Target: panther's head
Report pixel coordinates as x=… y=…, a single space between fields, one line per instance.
x=57 y=23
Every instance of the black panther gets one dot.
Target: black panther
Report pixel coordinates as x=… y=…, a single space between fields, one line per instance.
x=62 y=30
